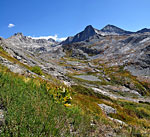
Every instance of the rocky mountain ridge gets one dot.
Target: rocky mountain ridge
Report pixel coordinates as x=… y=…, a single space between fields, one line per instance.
x=90 y=31
x=30 y=44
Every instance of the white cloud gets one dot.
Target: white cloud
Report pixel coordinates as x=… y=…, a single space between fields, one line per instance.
x=62 y=39
x=11 y=25
x=55 y=37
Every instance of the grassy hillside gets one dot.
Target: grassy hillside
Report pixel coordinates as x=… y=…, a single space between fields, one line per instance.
x=31 y=110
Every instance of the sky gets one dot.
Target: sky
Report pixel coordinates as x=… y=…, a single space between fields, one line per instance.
x=63 y=18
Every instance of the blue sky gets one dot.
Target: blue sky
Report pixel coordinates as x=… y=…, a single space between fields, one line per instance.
x=67 y=17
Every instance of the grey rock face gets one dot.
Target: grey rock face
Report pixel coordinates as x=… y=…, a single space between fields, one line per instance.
x=121 y=89
x=107 y=109
x=13 y=67
x=88 y=77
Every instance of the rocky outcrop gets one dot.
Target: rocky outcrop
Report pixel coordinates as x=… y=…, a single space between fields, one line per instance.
x=119 y=88
x=107 y=109
x=13 y=67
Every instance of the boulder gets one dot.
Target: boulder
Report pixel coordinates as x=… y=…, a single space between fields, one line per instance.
x=107 y=109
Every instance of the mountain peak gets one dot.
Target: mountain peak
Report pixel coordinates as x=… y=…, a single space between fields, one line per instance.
x=89 y=27
x=51 y=40
x=83 y=35
x=111 y=29
x=89 y=30
x=143 y=30
x=18 y=34
x=109 y=25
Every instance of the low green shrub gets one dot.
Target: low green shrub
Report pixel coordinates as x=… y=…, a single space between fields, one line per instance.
x=37 y=70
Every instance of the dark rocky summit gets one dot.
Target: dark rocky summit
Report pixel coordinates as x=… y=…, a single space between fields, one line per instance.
x=85 y=34
x=88 y=32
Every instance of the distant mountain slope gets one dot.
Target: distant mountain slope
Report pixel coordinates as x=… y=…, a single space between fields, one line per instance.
x=28 y=43
x=90 y=31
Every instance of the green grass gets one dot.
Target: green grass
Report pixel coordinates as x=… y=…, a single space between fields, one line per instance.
x=89 y=92
x=140 y=110
x=31 y=110
x=136 y=115
x=37 y=70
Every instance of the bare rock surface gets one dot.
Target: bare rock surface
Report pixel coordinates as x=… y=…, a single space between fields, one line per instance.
x=119 y=88
x=13 y=67
x=117 y=121
x=88 y=77
x=107 y=109
x=114 y=96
